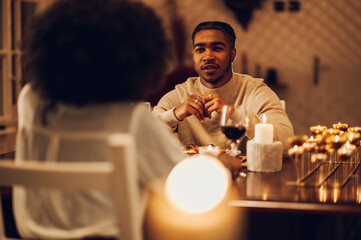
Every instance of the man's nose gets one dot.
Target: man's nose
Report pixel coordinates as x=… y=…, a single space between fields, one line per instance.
x=208 y=55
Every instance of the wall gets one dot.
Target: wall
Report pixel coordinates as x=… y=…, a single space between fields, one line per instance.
x=289 y=42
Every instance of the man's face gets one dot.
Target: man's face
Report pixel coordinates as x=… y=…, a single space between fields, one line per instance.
x=213 y=56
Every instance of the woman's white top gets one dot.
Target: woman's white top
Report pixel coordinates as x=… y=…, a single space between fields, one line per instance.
x=78 y=134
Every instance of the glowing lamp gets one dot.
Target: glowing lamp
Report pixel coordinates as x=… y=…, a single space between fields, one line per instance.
x=197 y=184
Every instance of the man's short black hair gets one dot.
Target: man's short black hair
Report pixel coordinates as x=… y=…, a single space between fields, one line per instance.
x=216 y=25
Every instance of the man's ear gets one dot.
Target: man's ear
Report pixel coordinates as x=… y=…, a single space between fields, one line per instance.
x=233 y=54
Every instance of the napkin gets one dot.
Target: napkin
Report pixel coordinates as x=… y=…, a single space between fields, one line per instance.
x=264 y=157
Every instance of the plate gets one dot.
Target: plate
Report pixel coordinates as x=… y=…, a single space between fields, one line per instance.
x=190 y=152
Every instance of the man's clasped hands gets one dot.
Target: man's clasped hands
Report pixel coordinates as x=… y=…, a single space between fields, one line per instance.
x=200 y=106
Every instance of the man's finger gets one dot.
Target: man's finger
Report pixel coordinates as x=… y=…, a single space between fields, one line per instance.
x=194 y=111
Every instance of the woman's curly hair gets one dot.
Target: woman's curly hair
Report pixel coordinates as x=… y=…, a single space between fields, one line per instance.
x=95 y=51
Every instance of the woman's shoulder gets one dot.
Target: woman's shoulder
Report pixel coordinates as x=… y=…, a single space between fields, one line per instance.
x=27 y=93
x=141 y=113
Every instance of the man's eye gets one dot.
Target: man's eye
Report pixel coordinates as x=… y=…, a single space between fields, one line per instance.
x=217 y=49
x=199 y=50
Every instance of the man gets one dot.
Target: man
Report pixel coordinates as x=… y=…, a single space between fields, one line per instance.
x=193 y=108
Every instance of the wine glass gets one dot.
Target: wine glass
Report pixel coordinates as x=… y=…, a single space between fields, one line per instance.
x=233 y=129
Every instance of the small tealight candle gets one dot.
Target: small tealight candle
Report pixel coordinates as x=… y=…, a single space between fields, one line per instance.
x=263 y=132
x=342 y=126
x=310 y=144
x=317 y=129
x=209 y=150
x=347 y=149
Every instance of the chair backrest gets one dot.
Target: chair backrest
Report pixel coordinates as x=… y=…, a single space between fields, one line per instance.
x=119 y=176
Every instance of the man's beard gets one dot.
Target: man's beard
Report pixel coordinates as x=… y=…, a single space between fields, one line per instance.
x=215 y=81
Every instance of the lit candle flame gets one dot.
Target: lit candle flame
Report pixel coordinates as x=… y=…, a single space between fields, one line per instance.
x=346 y=147
x=336 y=138
x=264 y=118
x=343 y=150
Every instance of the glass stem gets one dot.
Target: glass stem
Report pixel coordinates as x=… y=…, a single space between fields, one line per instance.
x=234 y=148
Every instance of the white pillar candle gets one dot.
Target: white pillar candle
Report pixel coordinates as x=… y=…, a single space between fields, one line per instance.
x=263 y=132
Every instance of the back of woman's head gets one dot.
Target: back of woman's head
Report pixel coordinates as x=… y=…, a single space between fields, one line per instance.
x=89 y=51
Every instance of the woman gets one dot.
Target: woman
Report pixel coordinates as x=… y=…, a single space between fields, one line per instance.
x=86 y=63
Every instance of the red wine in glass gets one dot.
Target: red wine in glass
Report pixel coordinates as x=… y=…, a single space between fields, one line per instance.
x=233 y=132
x=233 y=129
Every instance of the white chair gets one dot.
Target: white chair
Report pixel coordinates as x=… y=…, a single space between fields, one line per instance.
x=119 y=176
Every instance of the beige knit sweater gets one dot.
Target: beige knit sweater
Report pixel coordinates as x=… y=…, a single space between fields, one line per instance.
x=244 y=92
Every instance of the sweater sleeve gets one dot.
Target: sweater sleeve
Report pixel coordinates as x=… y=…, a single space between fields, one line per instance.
x=265 y=101
x=165 y=107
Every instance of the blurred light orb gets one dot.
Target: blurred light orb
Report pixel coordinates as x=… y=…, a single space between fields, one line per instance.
x=197 y=184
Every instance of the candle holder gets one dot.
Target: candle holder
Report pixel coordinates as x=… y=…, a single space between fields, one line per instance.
x=317 y=129
x=299 y=144
x=322 y=151
x=357 y=143
x=296 y=153
x=318 y=157
x=346 y=153
x=342 y=126
x=333 y=131
x=264 y=157
x=335 y=142
x=298 y=140
x=355 y=129
x=352 y=137
x=309 y=149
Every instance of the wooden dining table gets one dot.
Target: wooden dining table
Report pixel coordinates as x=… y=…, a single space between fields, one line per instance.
x=278 y=191
x=277 y=206
x=275 y=203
